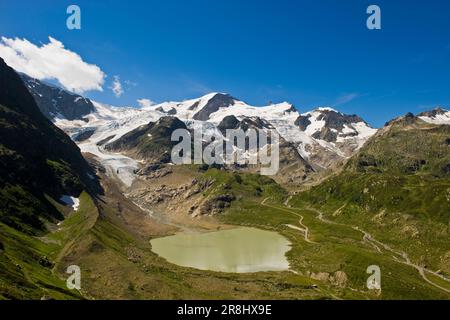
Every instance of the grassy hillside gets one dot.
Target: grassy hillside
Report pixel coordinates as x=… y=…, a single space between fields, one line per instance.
x=398 y=188
x=30 y=265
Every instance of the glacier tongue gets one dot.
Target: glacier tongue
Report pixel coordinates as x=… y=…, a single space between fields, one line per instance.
x=116 y=164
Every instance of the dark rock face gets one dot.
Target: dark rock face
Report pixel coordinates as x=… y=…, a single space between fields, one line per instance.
x=83 y=135
x=365 y=161
x=255 y=123
x=291 y=109
x=54 y=102
x=289 y=155
x=172 y=111
x=326 y=134
x=336 y=120
x=409 y=115
x=446 y=168
x=334 y=124
x=151 y=142
x=36 y=159
x=195 y=105
x=215 y=103
x=229 y=122
x=302 y=122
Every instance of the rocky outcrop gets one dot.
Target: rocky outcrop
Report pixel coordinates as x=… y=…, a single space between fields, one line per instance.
x=83 y=135
x=229 y=122
x=337 y=120
x=214 y=104
x=333 y=124
x=216 y=204
x=151 y=143
x=171 y=111
x=302 y=122
x=326 y=134
x=255 y=123
x=339 y=278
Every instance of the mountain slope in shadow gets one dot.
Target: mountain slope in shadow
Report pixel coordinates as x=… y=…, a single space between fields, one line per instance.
x=36 y=160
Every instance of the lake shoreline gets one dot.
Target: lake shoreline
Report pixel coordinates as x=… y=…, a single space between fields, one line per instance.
x=236 y=250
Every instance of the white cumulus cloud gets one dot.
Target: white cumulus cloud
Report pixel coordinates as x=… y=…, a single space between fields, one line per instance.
x=52 y=61
x=116 y=87
x=145 y=103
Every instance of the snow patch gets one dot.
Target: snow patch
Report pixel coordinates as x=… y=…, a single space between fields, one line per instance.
x=70 y=201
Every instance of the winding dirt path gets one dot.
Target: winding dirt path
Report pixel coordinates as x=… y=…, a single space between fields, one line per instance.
x=303 y=228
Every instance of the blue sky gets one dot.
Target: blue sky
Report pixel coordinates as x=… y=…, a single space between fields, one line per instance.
x=310 y=53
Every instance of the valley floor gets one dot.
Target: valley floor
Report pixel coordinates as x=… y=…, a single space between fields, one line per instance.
x=109 y=238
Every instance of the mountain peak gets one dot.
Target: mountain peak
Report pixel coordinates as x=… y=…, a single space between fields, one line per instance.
x=433 y=112
x=407 y=119
x=327 y=124
x=213 y=94
x=329 y=109
x=211 y=103
x=57 y=103
x=284 y=106
x=438 y=115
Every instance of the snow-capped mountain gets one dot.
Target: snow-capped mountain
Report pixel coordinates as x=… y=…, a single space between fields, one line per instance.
x=332 y=126
x=323 y=130
x=436 y=116
x=321 y=137
x=56 y=103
